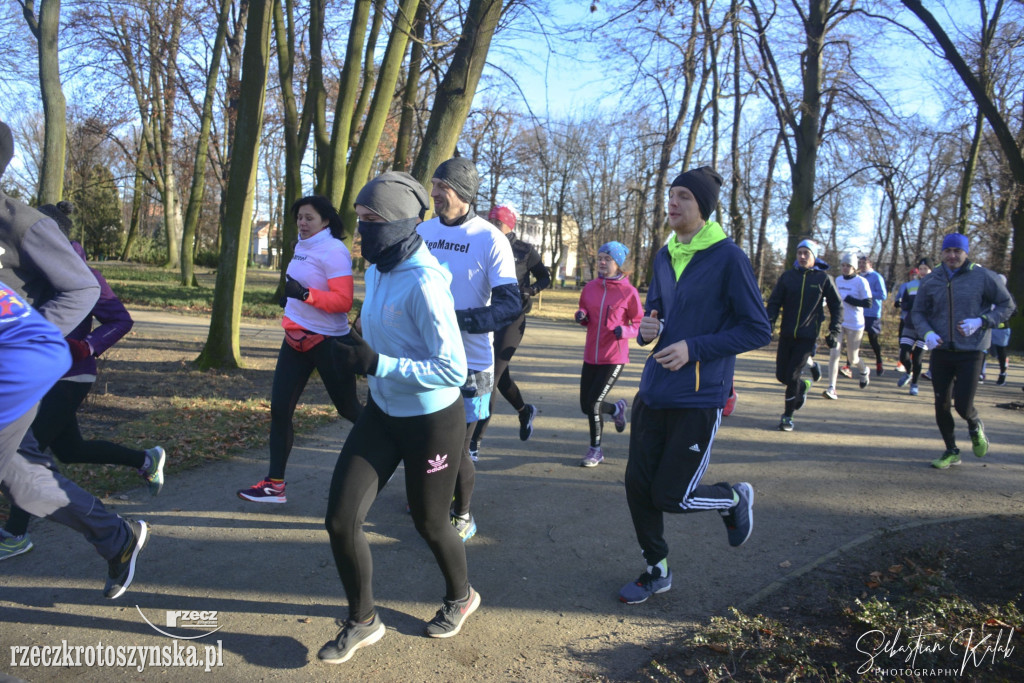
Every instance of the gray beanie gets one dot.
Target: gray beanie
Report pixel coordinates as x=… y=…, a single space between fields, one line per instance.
x=61 y=214
x=460 y=175
x=393 y=196
x=705 y=185
x=6 y=147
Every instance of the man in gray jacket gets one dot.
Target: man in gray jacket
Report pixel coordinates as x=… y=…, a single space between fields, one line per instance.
x=957 y=306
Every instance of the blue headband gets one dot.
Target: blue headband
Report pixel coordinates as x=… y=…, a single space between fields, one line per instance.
x=617 y=250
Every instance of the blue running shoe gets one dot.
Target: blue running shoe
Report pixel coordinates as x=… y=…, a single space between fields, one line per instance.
x=739 y=519
x=649 y=583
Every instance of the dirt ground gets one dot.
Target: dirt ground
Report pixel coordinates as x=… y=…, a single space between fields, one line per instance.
x=846 y=494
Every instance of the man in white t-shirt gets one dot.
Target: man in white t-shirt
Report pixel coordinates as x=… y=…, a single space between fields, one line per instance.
x=486 y=294
x=856 y=296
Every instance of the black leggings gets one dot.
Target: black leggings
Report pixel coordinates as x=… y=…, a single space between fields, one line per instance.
x=595 y=383
x=873 y=327
x=56 y=427
x=790 y=361
x=506 y=341
x=955 y=380
x=910 y=356
x=430 y=446
x=290 y=377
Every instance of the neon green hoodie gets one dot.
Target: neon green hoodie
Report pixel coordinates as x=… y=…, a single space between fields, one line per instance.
x=681 y=254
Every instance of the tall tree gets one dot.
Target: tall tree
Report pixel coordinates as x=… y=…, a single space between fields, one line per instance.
x=1007 y=141
x=45 y=28
x=458 y=87
x=222 y=348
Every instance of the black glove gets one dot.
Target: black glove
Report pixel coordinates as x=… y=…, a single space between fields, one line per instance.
x=294 y=290
x=831 y=341
x=530 y=291
x=581 y=316
x=355 y=355
x=283 y=301
x=618 y=332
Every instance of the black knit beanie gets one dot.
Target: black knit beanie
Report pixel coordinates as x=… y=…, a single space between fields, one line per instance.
x=924 y=261
x=705 y=185
x=6 y=147
x=394 y=195
x=460 y=175
x=61 y=214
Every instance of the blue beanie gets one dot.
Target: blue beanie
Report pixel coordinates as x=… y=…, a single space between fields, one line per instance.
x=617 y=250
x=955 y=240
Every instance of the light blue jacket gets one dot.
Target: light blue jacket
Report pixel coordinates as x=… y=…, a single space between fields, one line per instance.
x=408 y=318
x=878 y=294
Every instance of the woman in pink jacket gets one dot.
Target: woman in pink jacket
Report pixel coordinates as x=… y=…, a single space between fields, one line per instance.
x=610 y=309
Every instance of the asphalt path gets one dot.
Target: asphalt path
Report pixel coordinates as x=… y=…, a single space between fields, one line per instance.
x=554 y=545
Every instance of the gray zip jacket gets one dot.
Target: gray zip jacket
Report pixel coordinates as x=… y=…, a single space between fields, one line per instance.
x=944 y=300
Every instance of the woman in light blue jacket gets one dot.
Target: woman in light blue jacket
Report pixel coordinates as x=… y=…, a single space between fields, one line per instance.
x=413 y=357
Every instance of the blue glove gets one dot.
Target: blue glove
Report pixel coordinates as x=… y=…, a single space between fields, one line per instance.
x=932 y=340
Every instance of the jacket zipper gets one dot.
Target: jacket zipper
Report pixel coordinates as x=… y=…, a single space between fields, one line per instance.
x=600 y=322
x=800 y=308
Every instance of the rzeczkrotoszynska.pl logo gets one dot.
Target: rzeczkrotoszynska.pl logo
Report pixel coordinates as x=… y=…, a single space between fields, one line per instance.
x=190 y=619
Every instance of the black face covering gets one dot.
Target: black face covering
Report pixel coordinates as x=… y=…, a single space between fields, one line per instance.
x=387 y=244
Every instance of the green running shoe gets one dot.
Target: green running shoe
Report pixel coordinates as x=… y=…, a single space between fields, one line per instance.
x=950 y=457
x=979 y=442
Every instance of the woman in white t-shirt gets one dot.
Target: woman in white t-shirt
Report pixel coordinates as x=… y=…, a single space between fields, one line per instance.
x=318 y=297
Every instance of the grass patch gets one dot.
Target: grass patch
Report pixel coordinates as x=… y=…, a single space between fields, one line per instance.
x=194 y=431
x=916 y=623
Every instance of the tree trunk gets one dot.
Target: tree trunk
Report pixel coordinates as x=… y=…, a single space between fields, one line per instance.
x=362 y=156
x=369 y=69
x=458 y=87
x=195 y=199
x=735 y=215
x=222 y=348
x=409 y=97
x=137 y=188
x=335 y=162
x=285 y=33
x=51 y=183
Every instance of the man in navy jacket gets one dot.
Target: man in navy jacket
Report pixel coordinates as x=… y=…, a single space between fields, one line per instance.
x=703 y=308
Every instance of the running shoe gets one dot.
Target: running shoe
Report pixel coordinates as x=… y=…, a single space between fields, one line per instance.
x=730 y=404
x=815 y=371
x=981 y=378
x=927 y=374
x=11 y=545
x=121 y=569
x=979 y=442
x=474 y=454
x=526 y=416
x=846 y=372
x=801 y=395
x=786 y=424
x=899 y=366
x=902 y=381
x=649 y=583
x=353 y=636
x=865 y=379
x=620 y=415
x=593 y=458
x=465 y=527
x=879 y=370
x=739 y=519
x=950 y=457
x=265 y=492
x=154 y=474
x=449 y=619
x=913 y=390
x=830 y=393
x=1002 y=379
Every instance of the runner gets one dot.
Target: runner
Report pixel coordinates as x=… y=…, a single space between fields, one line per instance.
x=55 y=425
x=318 y=297
x=703 y=307
x=486 y=299
x=507 y=339
x=801 y=294
x=413 y=358
x=856 y=296
x=610 y=309
x=911 y=344
x=956 y=307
